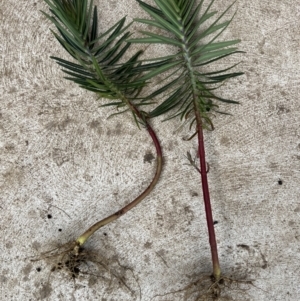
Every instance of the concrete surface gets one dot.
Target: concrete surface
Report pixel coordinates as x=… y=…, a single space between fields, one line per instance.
x=64 y=165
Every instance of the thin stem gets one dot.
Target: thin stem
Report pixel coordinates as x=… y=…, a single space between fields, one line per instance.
x=83 y=238
x=203 y=171
x=206 y=197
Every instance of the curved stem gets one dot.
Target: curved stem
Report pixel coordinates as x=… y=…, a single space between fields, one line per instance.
x=206 y=197
x=83 y=238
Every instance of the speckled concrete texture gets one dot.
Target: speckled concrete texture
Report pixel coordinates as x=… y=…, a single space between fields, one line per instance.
x=64 y=165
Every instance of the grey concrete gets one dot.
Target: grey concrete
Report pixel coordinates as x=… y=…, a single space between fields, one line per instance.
x=60 y=155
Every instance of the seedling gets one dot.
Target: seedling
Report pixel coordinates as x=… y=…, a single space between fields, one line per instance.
x=98 y=65
x=191 y=90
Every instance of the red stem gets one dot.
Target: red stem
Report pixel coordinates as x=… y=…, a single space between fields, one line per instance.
x=206 y=197
x=83 y=238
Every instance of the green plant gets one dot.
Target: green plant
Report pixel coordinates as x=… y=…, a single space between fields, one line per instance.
x=191 y=89
x=97 y=66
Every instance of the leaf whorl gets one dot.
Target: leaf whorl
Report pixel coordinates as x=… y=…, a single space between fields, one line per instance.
x=97 y=65
x=181 y=24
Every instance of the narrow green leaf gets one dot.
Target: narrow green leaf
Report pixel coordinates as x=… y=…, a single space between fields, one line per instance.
x=171 y=102
x=225 y=76
x=218 y=71
x=149 y=22
x=206 y=15
x=107 y=55
x=94 y=29
x=88 y=17
x=170 y=11
x=159 y=70
x=186 y=8
x=83 y=12
x=164 y=88
x=157 y=39
x=121 y=112
x=216 y=46
x=149 y=7
x=211 y=96
x=82 y=76
x=215 y=54
x=216 y=59
x=149 y=66
x=214 y=26
x=118 y=104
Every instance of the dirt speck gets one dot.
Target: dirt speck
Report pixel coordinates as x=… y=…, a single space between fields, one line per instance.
x=146 y=259
x=148 y=245
x=225 y=141
x=59 y=156
x=13 y=176
x=63 y=124
x=96 y=125
x=265 y=262
x=281 y=109
x=3 y=278
x=291 y=223
x=116 y=131
x=10 y=147
x=188 y=212
x=26 y=270
x=148 y=157
x=9 y=245
x=44 y=291
x=243 y=246
x=36 y=245
x=87 y=177
x=273 y=165
x=297 y=209
x=92 y=281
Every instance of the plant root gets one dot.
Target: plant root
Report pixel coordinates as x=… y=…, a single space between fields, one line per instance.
x=77 y=261
x=209 y=289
